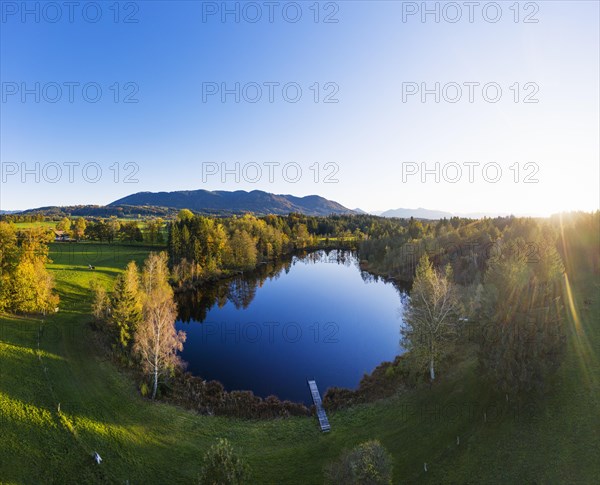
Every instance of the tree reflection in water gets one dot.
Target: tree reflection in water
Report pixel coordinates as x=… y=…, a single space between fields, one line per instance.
x=240 y=290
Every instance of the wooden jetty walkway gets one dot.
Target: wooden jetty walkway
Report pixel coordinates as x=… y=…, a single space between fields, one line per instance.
x=316 y=397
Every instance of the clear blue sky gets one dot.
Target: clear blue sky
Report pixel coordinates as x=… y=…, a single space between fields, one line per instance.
x=370 y=134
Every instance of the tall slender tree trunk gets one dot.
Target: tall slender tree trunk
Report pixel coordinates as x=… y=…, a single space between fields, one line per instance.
x=431 y=370
x=156 y=347
x=155 y=387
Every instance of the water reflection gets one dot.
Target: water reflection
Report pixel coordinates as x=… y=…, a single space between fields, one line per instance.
x=312 y=315
x=241 y=289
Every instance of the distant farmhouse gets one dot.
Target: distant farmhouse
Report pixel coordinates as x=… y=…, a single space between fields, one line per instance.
x=62 y=236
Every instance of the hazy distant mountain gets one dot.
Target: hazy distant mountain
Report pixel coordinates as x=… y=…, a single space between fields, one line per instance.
x=419 y=213
x=422 y=213
x=240 y=201
x=480 y=215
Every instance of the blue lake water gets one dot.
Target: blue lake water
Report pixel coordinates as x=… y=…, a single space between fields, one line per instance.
x=314 y=316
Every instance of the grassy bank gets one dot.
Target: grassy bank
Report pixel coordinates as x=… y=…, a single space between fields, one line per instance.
x=555 y=440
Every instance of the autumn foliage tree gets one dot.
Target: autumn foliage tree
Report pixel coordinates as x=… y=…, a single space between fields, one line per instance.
x=32 y=289
x=9 y=257
x=242 y=250
x=79 y=228
x=26 y=286
x=64 y=224
x=100 y=302
x=156 y=341
x=431 y=315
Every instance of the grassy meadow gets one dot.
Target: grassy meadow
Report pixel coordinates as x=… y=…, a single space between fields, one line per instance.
x=458 y=428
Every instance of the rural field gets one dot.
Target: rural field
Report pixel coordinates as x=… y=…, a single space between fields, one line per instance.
x=147 y=442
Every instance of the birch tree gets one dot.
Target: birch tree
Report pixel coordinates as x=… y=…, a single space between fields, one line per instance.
x=430 y=315
x=156 y=340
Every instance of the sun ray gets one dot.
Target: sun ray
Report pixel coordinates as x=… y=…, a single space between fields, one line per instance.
x=581 y=343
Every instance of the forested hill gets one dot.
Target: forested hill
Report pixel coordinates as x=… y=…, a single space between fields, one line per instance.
x=240 y=201
x=98 y=211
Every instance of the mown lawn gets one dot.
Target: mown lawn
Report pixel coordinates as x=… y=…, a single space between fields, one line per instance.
x=551 y=440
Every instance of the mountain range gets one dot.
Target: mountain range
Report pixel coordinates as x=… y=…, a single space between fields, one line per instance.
x=237 y=202
x=226 y=203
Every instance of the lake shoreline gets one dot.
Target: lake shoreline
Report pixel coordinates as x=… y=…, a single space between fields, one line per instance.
x=186 y=285
x=220 y=317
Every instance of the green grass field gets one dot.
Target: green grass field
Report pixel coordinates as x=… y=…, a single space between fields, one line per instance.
x=44 y=224
x=52 y=224
x=553 y=440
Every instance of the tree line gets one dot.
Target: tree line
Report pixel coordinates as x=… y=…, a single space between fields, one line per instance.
x=113 y=229
x=201 y=247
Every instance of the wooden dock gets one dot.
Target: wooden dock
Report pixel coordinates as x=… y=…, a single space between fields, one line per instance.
x=316 y=397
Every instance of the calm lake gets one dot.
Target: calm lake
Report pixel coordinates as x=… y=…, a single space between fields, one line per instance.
x=314 y=316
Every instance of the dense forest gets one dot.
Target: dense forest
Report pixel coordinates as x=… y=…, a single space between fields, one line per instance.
x=202 y=247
